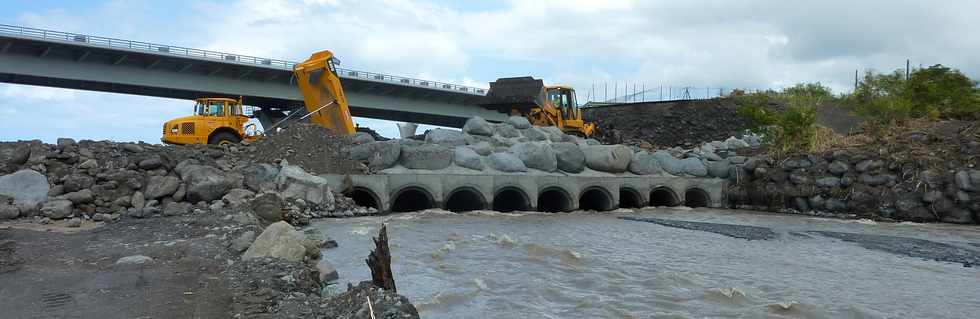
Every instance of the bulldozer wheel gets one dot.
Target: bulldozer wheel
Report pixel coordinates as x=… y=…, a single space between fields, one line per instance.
x=224 y=138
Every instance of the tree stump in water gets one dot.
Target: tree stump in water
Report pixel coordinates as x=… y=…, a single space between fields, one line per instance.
x=380 y=262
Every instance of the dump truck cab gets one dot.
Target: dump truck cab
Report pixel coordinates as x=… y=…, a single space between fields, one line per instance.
x=215 y=121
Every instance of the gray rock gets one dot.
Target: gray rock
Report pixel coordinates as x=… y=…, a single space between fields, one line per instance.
x=802 y=204
x=84 y=196
x=205 y=183
x=77 y=182
x=506 y=130
x=468 y=158
x=74 y=222
x=835 y=205
x=8 y=211
x=268 y=206
x=555 y=134
x=137 y=200
x=151 y=163
x=962 y=197
x=132 y=148
x=738 y=159
x=57 y=208
x=161 y=186
x=176 y=208
x=874 y=180
x=279 y=240
x=89 y=164
x=21 y=153
x=719 y=169
x=535 y=134
x=519 y=122
x=64 y=142
x=694 y=167
x=817 y=202
x=28 y=188
x=478 y=126
x=799 y=178
x=669 y=163
x=260 y=177
x=506 y=162
x=326 y=272
x=644 y=163
x=426 y=156
x=237 y=197
x=608 y=158
x=295 y=183
x=798 y=163
x=570 y=157
x=968 y=180
x=363 y=138
x=711 y=156
x=445 y=137
x=868 y=165
x=242 y=242
x=958 y=216
x=134 y=259
x=838 y=168
x=829 y=181
x=536 y=155
x=734 y=143
x=482 y=148
x=380 y=155
x=932 y=196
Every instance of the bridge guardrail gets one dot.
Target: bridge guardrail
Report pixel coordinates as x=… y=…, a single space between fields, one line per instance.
x=97 y=41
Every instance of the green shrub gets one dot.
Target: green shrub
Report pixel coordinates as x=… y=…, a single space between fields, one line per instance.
x=932 y=93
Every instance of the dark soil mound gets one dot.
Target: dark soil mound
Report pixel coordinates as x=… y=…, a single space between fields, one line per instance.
x=310 y=146
x=666 y=124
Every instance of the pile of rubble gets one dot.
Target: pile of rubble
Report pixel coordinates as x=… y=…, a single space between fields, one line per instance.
x=104 y=181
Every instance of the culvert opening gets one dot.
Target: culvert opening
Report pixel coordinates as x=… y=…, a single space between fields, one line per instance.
x=595 y=199
x=464 y=200
x=629 y=198
x=510 y=199
x=696 y=198
x=412 y=199
x=554 y=200
x=663 y=197
x=364 y=198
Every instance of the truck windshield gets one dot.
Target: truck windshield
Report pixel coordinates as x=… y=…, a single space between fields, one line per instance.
x=217 y=109
x=200 y=109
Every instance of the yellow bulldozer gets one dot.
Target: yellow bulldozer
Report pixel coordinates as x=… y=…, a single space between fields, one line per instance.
x=221 y=120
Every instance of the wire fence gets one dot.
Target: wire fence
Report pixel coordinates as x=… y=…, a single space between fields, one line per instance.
x=638 y=93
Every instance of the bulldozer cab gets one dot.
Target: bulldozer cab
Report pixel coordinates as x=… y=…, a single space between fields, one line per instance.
x=563 y=99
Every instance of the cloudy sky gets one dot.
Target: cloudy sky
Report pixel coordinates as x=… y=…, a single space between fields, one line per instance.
x=718 y=44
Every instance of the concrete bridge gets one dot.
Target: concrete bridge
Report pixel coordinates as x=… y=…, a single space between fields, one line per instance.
x=465 y=192
x=78 y=61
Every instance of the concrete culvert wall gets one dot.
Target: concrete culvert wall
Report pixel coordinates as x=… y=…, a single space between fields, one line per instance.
x=663 y=196
x=365 y=198
x=510 y=199
x=554 y=200
x=696 y=197
x=596 y=199
x=630 y=198
x=411 y=199
x=465 y=199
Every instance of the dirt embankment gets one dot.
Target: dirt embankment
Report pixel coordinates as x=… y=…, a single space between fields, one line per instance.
x=666 y=124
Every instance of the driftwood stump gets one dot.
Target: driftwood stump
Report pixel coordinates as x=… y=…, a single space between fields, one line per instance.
x=380 y=262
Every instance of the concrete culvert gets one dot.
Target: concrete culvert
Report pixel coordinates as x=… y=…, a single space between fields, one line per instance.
x=465 y=199
x=554 y=200
x=364 y=198
x=663 y=196
x=412 y=199
x=629 y=198
x=595 y=199
x=511 y=199
x=696 y=198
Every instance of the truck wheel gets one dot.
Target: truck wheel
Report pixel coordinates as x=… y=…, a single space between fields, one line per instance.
x=224 y=138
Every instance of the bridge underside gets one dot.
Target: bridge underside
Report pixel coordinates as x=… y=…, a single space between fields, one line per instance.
x=81 y=66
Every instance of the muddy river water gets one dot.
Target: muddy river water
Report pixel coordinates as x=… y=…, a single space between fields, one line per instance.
x=598 y=265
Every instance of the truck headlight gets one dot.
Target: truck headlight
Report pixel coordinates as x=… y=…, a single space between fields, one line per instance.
x=173 y=130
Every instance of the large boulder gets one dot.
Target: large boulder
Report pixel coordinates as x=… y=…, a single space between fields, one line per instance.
x=506 y=130
x=237 y=197
x=468 y=158
x=77 y=182
x=293 y=182
x=362 y=138
x=426 y=156
x=84 y=196
x=268 y=206
x=643 y=163
x=535 y=134
x=555 y=134
x=570 y=157
x=279 y=240
x=519 y=122
x=669 y=163
x=506 y=162
x=536 y=155
x=719 y=169
x=693 y=166
x=205 y=183
x=478 y=126
x=8 y=211
x=482 y=148
x=260 y=177
x=28 y=188
x=446 y=137
x=161 y=186
x=838 y=168
x=380 y=155
x=57 y=208
x=968 y=180
x=608 y=158
x=21 y=153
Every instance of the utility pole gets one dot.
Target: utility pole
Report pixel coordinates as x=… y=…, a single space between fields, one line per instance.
x=605 y=90
x=855 y=80
x=908 y=65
